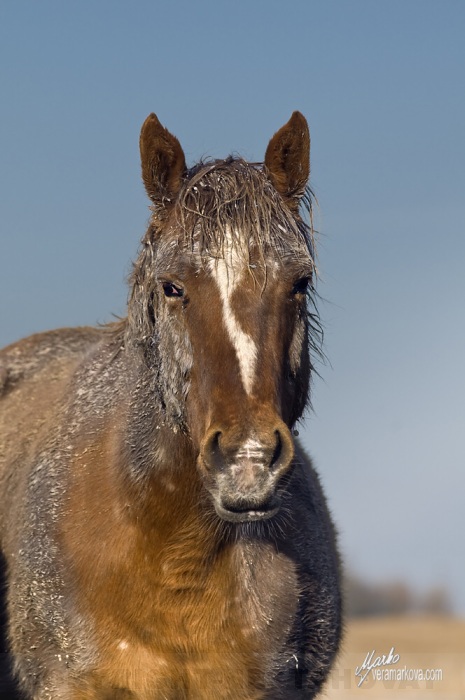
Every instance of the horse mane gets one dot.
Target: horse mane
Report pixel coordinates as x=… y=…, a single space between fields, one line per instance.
x=220 y=199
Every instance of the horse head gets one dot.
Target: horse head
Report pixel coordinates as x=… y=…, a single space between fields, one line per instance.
x=220 y=301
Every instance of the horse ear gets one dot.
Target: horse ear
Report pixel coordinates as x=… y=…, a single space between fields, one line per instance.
x=287 y=158
x=163 y=161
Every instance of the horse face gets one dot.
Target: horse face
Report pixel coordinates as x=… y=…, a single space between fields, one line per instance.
x=244 y=324
x=231 y=316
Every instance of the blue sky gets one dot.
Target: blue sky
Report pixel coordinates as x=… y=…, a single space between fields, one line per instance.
x=381 y=84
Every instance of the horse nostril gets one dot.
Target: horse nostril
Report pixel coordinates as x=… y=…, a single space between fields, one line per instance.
x=212 y=453
x=277 y=450
x=215 y=443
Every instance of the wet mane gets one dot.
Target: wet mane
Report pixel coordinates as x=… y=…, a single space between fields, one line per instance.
x=228 y=197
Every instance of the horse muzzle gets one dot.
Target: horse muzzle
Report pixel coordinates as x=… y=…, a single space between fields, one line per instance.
x=244 y=476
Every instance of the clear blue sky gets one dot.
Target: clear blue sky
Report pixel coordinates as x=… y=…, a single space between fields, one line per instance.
x=382 y=85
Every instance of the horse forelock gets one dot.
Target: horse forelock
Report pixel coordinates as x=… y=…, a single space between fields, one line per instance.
x=233 y=197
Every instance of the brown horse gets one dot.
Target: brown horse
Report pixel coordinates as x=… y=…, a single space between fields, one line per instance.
x=163 y=536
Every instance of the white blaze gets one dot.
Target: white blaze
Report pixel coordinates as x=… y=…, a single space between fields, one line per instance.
x=227 y=272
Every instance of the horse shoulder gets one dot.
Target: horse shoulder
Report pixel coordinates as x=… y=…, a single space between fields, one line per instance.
x=34 y=374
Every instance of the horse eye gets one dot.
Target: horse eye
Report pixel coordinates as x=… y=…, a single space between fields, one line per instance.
x=301 y=286
x=172 y=290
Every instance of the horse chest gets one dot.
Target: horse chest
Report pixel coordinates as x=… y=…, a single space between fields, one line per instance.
x=222 y=628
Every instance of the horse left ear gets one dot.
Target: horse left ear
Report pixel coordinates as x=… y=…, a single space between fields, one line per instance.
x=163 y=161
x=287 y=158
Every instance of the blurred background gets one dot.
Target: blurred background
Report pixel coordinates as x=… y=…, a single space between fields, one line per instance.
x=382 y=86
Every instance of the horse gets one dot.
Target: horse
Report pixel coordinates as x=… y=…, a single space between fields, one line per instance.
x=164 y=535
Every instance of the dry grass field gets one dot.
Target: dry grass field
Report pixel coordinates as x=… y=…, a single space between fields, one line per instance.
x=424 y=643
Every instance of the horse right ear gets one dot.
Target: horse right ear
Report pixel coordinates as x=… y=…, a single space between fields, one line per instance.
x=163 y=161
